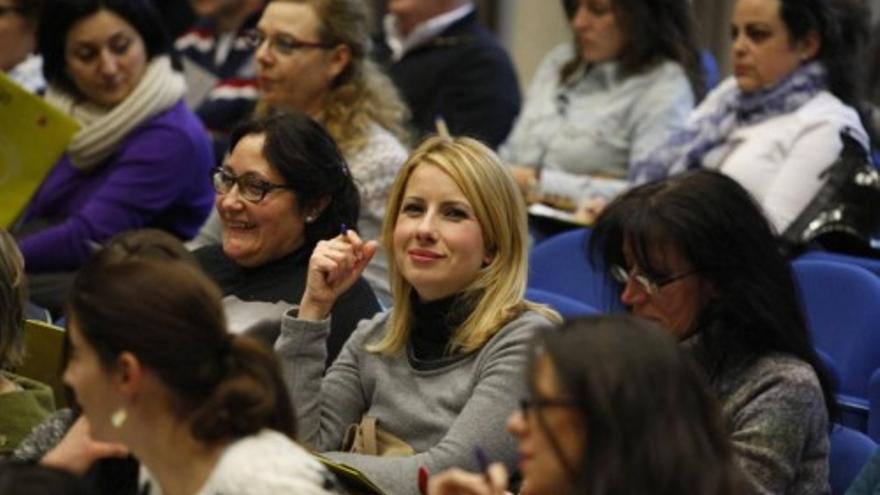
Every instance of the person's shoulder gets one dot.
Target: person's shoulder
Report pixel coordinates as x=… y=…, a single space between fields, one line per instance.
x=522 y=328
x=269 y=462
x=382 y=142
x=824 y=107
x=778 y=369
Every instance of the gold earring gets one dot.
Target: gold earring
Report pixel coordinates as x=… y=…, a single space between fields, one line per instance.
x=118 y=418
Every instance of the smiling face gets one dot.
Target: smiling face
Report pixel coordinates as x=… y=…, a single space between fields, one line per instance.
x=438 y=241
x=257 y=233
x=105 y=57
x=298 y=80
x=675 y=305
x=92 y=384
x=597 y=31
x=542 y=468
x=763 y=51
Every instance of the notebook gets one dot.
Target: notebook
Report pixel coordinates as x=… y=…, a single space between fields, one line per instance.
x=33 y=135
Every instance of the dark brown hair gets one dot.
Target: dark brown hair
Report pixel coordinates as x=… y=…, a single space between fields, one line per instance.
x=654 y=31
x=140 y=294
x=652 y=424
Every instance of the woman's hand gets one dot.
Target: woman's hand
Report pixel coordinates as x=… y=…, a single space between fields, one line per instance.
x=458 y=482
x=334 y=267
x=77 y=451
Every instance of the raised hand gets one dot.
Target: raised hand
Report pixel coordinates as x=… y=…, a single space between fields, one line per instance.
x=334 y=267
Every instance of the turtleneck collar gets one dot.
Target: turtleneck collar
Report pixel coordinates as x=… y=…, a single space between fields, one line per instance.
x=434 y=324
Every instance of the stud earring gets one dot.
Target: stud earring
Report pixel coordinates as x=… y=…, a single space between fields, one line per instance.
x=118 y=418
x=310 y=219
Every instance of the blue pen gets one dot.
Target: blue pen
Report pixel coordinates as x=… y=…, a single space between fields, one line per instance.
x=482 y=462
x=343 y=229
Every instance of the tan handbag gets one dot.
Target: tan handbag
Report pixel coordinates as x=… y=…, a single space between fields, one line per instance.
x=367 y=438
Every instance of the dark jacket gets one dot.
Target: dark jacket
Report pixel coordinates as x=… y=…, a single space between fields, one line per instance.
x=463 y=75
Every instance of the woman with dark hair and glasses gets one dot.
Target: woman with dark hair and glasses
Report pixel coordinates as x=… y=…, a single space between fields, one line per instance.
x=615 y=408
x=283 y=187
x=696 y=254
x=312 y=56
x=603 y=101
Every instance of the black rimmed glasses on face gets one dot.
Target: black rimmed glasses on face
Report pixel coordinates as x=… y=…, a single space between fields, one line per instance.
x=283 y=44
x=249 y=187
x=526 y=406
x=647 y=285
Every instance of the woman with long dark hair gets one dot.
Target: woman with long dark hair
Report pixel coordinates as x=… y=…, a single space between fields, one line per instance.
x=696 y=254
x=603 y=101
x=616 y=407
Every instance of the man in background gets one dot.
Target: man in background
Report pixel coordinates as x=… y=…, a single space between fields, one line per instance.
x=449 y=68
x=218 y=64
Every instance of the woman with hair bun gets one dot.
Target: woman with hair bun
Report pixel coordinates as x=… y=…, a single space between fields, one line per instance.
x=154 y=368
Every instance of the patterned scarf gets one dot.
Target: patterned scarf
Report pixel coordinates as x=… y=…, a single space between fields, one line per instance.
x=103 y=129
x=734 y=109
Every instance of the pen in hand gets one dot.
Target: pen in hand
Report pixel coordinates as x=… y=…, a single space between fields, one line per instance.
x=483 y=463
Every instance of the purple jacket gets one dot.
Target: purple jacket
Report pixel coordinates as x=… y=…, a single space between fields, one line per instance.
x=159 y=177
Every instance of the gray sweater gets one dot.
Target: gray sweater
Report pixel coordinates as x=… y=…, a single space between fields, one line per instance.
x=442 y=413
x=779 y=425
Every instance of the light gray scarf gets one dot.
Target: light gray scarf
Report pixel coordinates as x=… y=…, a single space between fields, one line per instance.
x=104 y=128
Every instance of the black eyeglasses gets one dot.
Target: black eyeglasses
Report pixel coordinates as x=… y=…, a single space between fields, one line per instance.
x=534 y=404
x=647 y=284
x=283 y=44
x=249 y=187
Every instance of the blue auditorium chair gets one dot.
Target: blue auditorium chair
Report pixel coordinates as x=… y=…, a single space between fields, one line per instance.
x=567 y=307
x=842 y=307
x=560 y=265
x=850 y=451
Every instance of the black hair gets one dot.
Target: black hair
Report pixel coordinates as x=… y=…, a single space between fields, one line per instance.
x=302 y=151
x=140 y=295
x=651 y=423
x=721 y=231
x=842 y=29
x=654 y=31
x=59 y=16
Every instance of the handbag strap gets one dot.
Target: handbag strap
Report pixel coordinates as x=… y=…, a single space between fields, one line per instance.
x=369 y=435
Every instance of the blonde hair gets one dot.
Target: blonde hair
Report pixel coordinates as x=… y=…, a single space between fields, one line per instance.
x=13 y=295
x=497 y=292
x=361 y=94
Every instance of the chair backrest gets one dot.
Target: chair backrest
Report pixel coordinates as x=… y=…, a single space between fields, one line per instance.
x=567 y=307
x=560 y=265
x=850 y=451
x=870 y=264
x=842 y=307
x=44 y=346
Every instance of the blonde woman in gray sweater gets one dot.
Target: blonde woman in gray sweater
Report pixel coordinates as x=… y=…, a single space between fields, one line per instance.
x=444 y=368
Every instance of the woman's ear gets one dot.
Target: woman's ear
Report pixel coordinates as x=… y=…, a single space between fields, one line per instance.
x=339 y=59
x=129 y=375
x=809 y=46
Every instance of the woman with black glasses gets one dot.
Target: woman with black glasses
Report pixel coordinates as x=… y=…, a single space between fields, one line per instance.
x=696 y=254
x=615 y=407
x=312 y=56
x=283 y=187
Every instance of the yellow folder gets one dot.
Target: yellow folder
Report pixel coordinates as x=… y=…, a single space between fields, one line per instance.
x=33 y=135
x=356 y=482
x=44 y=354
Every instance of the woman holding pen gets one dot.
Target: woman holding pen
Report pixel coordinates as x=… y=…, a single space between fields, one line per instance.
x=615 y=407
x=441 y=370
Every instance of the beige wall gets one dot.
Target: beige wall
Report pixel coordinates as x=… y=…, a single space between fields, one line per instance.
x=530 y=28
